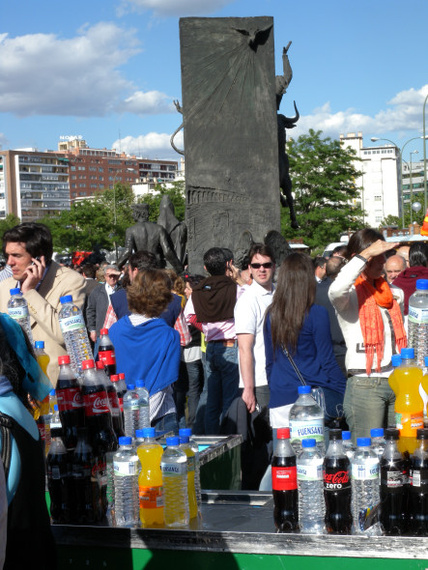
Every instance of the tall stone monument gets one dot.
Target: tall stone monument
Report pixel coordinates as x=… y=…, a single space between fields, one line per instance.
x=230 y=132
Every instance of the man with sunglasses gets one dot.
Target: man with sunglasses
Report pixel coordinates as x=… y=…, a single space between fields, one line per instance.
x=250 y=310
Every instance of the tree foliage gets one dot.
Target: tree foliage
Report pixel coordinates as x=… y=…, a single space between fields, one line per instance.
x=323 y=174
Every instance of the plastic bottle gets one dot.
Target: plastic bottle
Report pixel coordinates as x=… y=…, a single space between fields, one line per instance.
x=106 y=353
x=306 y=421
x=52 y=401
x=126 y=468
x=417 y=337
x=395 y=361
x=17 y=309
x=191 y=492
x=87 y=499
x=377 y=441
x=194 y=445
x=174 y=477
x=143 y=405
x=418 y=496
x=311 y=489
x=75 y=335
x=131 y=411
x=423 y=389
x=150 y=479
x=70 y=402
x=43 y=361
x=59 y=479
x=393 y=486
x=55 y=421
x=408 y=402
x=347 y=444
x=365 y=483
x=284 y=484
x=113 y=400
x=119 y=385
x=337 y=486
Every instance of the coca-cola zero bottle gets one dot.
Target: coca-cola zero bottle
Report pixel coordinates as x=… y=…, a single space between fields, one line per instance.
x=70 y=402
x=284 y=484
x=87 y=501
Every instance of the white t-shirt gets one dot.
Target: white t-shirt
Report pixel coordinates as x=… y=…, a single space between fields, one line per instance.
x=250 y=312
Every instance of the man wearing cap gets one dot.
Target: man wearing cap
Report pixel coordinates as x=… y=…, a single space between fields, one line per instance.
x=99 y=300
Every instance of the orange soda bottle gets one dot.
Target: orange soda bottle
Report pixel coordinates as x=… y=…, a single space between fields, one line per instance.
x=150 y=479
x=409 y=405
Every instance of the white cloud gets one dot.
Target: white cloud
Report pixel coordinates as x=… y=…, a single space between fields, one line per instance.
x=176 y=7
x=153 y=145
x=149 y=103
x=42 y=74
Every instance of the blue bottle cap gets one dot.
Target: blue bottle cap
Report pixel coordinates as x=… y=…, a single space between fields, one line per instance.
x=39 y=344
x=186 y=432
x=172 y=441
x=408 y=353
x=139 y=433
x=426 y=360
x=149 y=432
x=396 y=360
x=140 y=384
x=363 y=441
x=125 y=440
x=376 y=432
x=309 y=442
x=130 y=386
x=52 y=392
x=184 y=439
x=66 y=299
x=422 y=284
x=346 y=435
x=304 y=389
x=15 y=291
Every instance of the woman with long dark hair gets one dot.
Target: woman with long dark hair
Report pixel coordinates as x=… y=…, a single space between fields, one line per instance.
x=295 y=324
x=370 y=316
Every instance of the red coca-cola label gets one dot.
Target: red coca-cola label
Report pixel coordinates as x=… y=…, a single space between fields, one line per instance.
x=108 y=357
x=121 y=404
x=96 y=404
x=336 y=480
x=284 y=478
x=69 y=399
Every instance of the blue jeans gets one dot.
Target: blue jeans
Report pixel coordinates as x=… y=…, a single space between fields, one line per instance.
x=369 y=403
x=166 y=423
x=195 y=375
x=199 y=424
x=223 y=383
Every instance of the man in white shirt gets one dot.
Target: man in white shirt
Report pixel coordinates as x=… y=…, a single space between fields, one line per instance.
x=250 y=312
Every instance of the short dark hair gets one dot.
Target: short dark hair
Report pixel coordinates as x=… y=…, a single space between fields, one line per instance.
x=418 y=254
x=228 y=254
x=215 y=261
x=260 y=249
x=143 y=260
x=89 y=270
x=361 y=240
x=149 y=293
x=37 y=239
x=319 y=261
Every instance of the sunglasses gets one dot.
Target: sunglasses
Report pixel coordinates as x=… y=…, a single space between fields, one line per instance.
x=113 y=276
x=266 y=265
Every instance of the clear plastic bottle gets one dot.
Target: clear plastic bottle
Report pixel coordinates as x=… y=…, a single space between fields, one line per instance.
x=150 y=479
x=365 y=483
x=306 y=421
x=131 y=411
x=75 y=335
x=17 y=309
x=347 y=444
x=126 y=469
x=143 y=405
x=418 y=321
x=393 y=486
x=52 y=400
x=194 y=445
x=55 y=421
x=191 y=492
x=311 y=489
x=174 y=476
x=378 y=441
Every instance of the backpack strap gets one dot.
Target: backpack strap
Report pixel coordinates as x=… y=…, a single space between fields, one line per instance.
x=6 y=442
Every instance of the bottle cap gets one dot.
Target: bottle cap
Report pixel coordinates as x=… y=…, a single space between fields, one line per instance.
x=184 y=439
x=396 y=360
x=114 y=377
x=125 y=440
x=103 y=331
x=139 y=433
x=149 y=432
x=66 y=299
x=376 y=432
x=172 y=441
x=121 y=376
x=422 y=433
x=363 y=441
x=335 y=434
x=283 y=433
x=409 y=353
x=422 y=284
x=39 y=344
x=52 y=392
x=15 y=291
x=88 y=364
x=130 y=386
x=186 y=432
x=346 y=435
x=140 y=384
x=392 y=433
x=426 y=360
x=99 y=365
x=64 y=359
x=304 y=389
x=311 y=442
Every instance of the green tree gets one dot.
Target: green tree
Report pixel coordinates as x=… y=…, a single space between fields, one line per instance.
x=323 y=173
x=9 y=222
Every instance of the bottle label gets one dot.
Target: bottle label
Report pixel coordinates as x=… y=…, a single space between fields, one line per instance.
x=369 y=470
x=305 y=430
x=69 y=399
x=393 y=480
x=20 y=312
x=408 y=424
x=96 y=404
x=419 y=478
x=174 y=469
x=284 y=478
x=337 y=480
x=125 y=468
x=310 y=472
x=114 y=404
x=418 y=315
x=151 y=497
x=72 y=323
x=107 y=357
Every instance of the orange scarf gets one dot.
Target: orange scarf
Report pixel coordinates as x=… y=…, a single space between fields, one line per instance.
x=369 y=300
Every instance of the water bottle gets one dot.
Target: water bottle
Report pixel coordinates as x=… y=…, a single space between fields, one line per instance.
x=365 y=483
x=418 y=321
x=347 y=444
x=131 y=411
x=75 y=335
x=311 y=489
x=126 y=470
x=194 y=445
x=284 y=484
x=418 y=497
x=393 y=486
x=174 y=476
x=55 y=421
x=143 y=405
x=306 y=421
x=378 y=441
x=17 y=309
x=191 y=492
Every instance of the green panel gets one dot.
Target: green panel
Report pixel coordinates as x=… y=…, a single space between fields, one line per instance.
x=223 y=472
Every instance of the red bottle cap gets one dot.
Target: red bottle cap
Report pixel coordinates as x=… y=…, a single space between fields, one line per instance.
x=88 y=364
x=64 y=359
x=283 y=433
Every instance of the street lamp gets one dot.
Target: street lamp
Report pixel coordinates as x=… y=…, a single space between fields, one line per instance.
x=425 y=155
x=411 y=185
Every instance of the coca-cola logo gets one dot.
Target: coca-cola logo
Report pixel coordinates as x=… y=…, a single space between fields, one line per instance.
x=99 y=403
x=336 y=480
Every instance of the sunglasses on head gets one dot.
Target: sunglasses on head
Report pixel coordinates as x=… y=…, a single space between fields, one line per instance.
x=266 y=265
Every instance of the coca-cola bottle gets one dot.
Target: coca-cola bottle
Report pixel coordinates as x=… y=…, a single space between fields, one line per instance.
x=113 y=399
x=86 y=504
x=418 y=497
x=284 y=484
x=70 y=402
x=337 y=486
x=120 y=387
x=59 y=479
x=106 y=352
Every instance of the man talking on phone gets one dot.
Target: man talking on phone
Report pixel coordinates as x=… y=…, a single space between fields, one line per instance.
x=28 y=251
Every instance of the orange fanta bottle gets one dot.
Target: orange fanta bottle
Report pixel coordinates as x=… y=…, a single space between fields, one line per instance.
x=150 y=480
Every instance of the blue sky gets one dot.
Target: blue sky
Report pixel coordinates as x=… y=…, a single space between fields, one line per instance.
x=109 y=70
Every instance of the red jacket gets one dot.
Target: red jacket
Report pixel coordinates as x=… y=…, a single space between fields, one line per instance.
x=407 y=282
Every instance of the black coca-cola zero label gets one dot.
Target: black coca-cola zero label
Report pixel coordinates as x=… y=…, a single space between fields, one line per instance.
x=335 y=480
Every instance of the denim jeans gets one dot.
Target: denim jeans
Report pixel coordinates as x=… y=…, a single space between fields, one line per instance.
x=223 y=383
x=369 y=403
x=195 y=375
x=199 y=424
x=166 y=423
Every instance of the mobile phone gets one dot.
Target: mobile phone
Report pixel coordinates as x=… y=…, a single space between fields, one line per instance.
x=38 y=259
